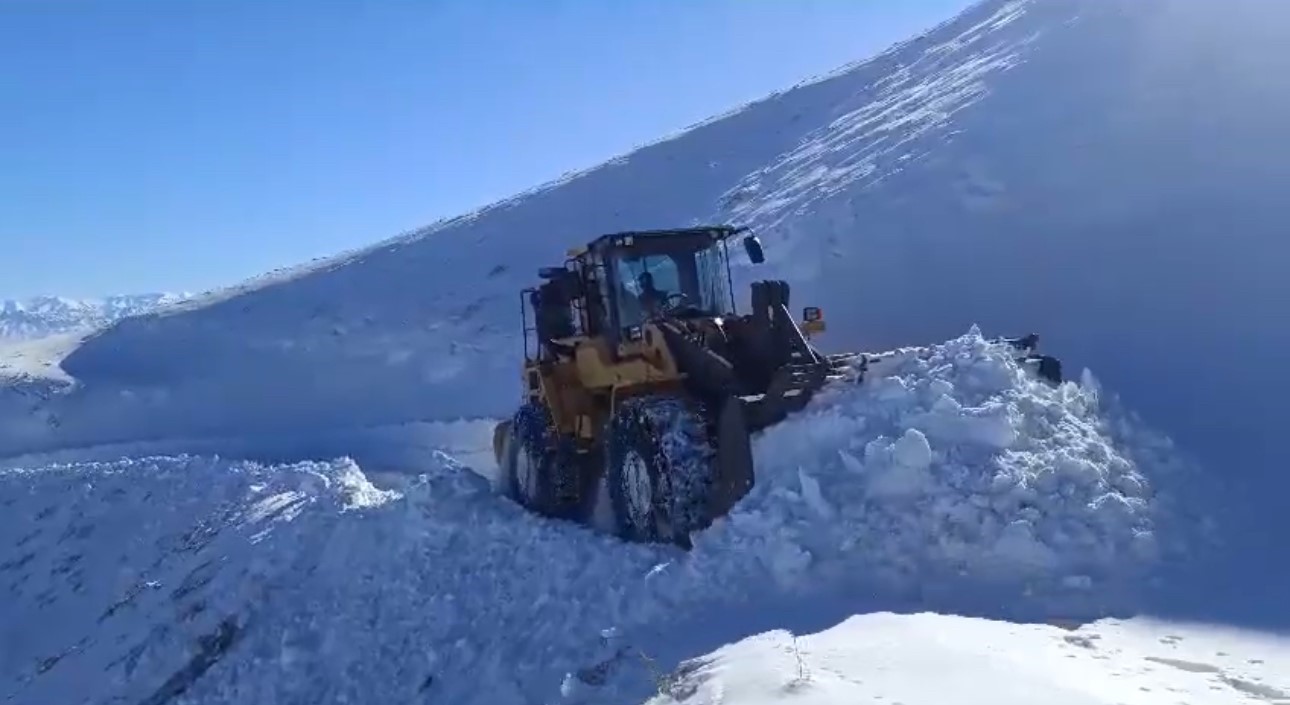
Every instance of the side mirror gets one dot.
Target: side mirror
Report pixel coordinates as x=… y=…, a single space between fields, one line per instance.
x=753 y=247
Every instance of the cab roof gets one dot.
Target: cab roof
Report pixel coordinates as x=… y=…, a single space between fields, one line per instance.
x=716 y=232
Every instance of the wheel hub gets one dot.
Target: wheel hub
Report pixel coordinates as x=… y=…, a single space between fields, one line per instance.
x=526 y=477
x=638 y=488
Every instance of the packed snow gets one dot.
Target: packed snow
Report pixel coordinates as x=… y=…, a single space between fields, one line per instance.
x=949 y=473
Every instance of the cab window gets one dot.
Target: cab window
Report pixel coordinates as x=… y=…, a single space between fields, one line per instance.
x=647 y=283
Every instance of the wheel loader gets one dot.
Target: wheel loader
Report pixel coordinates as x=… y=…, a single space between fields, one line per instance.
x=643 y=384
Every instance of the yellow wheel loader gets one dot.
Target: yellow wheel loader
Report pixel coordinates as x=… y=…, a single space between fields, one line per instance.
x=643 y=385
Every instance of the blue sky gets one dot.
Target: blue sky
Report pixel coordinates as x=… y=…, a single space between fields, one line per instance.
x=157 y=145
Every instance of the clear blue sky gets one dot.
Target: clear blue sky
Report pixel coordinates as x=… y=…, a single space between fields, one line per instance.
x=153 y=145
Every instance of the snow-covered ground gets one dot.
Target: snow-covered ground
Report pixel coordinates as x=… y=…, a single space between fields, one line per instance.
x=32 y=360
x=278 y=492
x=953 y=482
x=929 y=659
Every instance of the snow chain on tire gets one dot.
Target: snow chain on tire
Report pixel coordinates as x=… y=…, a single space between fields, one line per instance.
x=673 y=442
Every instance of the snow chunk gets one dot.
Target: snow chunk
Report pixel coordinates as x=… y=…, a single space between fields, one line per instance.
x=912 y=450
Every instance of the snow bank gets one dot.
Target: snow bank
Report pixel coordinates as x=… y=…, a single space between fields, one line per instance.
x=130 y=580
x=236 y=582
x=951 y=476
x=232 y=582
x=927 y=658
x=402 y=448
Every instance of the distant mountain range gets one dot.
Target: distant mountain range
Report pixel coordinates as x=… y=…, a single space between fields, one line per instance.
x=49 y=315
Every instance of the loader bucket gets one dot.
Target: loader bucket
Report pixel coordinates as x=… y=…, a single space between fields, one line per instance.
x=791 y=389
x=733 y=476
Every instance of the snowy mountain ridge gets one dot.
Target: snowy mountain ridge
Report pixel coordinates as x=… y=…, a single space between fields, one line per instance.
x=40 y=316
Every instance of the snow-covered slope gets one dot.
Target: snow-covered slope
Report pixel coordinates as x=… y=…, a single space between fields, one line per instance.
x=1104 y=173
x=925 y=659
x=22 y=319
x=952 y=479
x=1107 y=174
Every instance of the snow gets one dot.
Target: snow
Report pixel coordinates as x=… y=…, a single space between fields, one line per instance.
x=926 y=659
x=241 y=582
x=893 y=487
x=425 y=327
x=118 y=570
x=280 y=491
x=1027 y=166
x=37 y=358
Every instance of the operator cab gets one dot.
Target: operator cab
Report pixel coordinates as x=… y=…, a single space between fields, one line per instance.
x=618 y=282
x=678 y=280
x=675 y=274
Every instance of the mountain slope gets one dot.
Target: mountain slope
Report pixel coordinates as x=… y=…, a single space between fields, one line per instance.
x=393 y=333
x=22 y=319
x=1028 y=165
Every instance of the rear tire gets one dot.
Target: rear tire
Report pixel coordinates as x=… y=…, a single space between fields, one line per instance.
x=538 y=464
x=659 y=466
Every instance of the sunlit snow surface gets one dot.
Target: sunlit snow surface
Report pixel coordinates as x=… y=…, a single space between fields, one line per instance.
x=929 y=659
x=958 y=465
x=137 y=580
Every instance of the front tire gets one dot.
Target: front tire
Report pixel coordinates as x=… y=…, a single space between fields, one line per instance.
x=659 y=470
x=537 y=463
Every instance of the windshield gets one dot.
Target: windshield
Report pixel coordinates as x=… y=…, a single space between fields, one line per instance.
x=676 y=284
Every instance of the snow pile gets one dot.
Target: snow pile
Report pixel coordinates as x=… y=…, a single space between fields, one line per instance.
x=130 y=580
x=139 y=580
x=950 y=473
x=927 y=658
